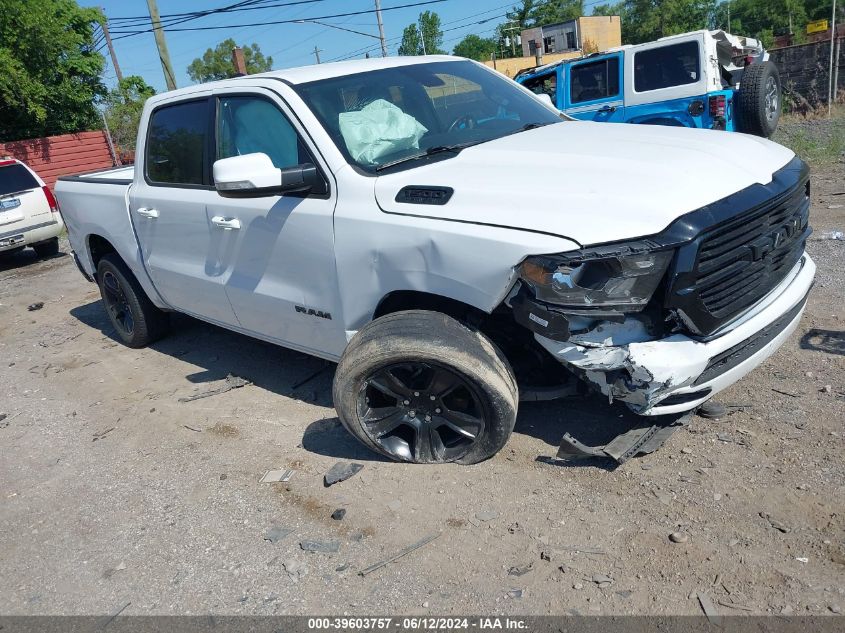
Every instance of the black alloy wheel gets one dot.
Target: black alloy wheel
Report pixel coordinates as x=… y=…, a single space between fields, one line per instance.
x=421 y=412
x=116 y=303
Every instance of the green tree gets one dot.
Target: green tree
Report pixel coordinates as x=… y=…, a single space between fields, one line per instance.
x=216 y=63
x=431 y=42
x=49 y=70
x=648 y=20
x=123 y=107
x=411 y=42
x=554 y=11
x=475 y=47
x=763 y=18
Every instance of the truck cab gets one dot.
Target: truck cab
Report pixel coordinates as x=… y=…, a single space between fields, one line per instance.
x=705 y=80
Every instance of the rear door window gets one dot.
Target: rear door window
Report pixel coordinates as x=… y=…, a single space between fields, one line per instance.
x=16 y=178
x=177 y=144
x=666 y=67
x=592 y=81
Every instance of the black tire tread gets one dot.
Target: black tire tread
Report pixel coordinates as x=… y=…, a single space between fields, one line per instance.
x=151 y=324
x=750 y=109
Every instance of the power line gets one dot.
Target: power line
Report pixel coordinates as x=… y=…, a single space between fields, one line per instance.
x=317 y=17
x=246 y=5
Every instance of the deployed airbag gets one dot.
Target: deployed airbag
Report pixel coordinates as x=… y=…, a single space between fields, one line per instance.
x=379 y=129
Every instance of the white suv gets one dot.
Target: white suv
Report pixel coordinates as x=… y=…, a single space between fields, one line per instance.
x=29 y=212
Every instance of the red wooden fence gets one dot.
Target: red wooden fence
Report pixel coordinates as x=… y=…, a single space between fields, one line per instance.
x=64 y=155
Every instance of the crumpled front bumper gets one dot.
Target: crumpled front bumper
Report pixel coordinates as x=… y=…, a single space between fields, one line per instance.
x=678 y=373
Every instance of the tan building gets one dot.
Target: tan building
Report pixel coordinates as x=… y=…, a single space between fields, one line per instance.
x=587 y=33
x=566 y=40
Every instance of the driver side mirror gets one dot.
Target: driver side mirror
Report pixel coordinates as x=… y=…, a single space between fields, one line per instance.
x=255 y=176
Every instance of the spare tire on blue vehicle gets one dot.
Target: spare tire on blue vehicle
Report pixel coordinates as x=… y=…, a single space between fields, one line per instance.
x=759 y=99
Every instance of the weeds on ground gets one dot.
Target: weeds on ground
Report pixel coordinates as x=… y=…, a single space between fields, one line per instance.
x=818 y=140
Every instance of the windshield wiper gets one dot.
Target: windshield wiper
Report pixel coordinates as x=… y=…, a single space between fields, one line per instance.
x=431 y=151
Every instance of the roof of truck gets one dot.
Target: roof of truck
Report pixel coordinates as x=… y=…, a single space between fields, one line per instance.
x=315 y=72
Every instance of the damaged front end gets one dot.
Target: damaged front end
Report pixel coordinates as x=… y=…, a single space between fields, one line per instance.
x=593 y=310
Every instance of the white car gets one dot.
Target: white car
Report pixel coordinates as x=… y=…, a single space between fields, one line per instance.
x=450 y=241
x=29 y=212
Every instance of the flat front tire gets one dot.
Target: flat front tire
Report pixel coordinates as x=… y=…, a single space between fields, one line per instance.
x=136 y=320
x=420 y=387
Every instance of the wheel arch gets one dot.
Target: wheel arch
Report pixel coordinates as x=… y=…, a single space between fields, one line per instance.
x=97 y=247
x=399 y=300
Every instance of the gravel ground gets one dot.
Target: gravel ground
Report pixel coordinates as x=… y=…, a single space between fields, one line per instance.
x=114 y=492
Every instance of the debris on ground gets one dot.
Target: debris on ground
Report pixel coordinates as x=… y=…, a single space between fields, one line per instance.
x=101 y=434
x=274 y=476
x=231 y=382
x=516 y=593
x=296 y=570
x=832 y=235
x=32 y=307
x=3 y=422
x=341 y=471
x=403 y=552
x=709 y=609
x=602 y=581
x=192 y=428
x=786 y=393
x=780 y=526
x=712 y=410
x=323 y=547
x=486 y=515
x=111 y=572
x=338 y=514
x=641 y=441
x=520 y=570
x=678 y=537
x=276 y=534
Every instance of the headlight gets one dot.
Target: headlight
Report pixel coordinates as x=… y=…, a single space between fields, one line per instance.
x=603 y=277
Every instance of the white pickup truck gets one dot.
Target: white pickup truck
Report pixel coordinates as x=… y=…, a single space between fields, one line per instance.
x=451 y=242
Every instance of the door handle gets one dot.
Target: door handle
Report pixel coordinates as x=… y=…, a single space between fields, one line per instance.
x=227 y=224
x=607 y=109
x=148 y=213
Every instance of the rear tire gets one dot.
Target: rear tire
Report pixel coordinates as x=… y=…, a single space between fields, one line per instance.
x=134 y=317
x=50 y=248
x=759 y=99
x=420 y=387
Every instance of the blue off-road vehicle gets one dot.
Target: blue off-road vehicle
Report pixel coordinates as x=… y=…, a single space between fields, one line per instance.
x=704 y=79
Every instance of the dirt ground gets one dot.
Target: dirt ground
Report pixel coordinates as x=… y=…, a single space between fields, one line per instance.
x=116 y=495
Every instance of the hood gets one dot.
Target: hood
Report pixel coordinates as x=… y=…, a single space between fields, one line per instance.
x=590 y=182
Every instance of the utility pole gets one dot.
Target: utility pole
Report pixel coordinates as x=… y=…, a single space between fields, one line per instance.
x=238 y=62
x=381 y=29
x=422 y=37
x=831 y=89
x=729 y=17
x=510 y=31
x=317 y=52
x=105 y=27
x=164 y=56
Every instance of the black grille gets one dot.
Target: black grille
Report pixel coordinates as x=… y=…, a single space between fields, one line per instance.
x=743 y=247
x=742 y=261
